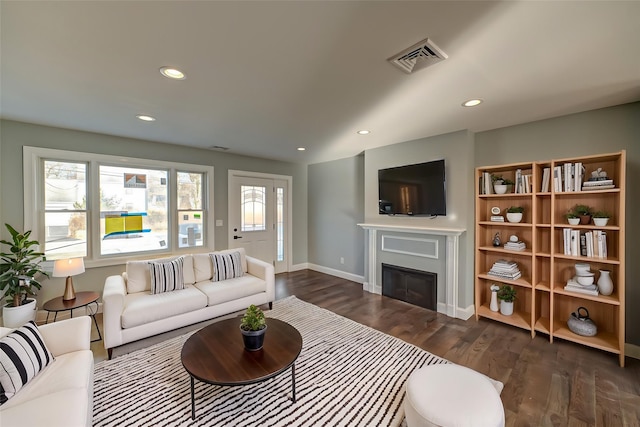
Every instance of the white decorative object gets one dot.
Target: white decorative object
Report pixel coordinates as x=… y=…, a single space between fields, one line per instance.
x=600 y=222
x=513 y=238
x=605 y=284
x=494 y=298
x=500 y=188
x=506 y=308
x=514 y=216
x=573 y=221
x=14 y=317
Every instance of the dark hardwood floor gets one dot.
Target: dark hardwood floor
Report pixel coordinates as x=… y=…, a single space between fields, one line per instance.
x=559 y=384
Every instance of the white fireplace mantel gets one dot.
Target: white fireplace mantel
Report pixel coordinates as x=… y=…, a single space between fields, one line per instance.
x=450 y=307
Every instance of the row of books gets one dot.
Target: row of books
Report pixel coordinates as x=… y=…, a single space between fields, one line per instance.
x=523 y=182
x=568 y=177
x=590 y=243
x=505 y=270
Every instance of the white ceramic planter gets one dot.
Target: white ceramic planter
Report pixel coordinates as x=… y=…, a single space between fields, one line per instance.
x=514 y=216
x=600 y=222
x=506 y=308
x=500 y=188
x=14 y=317
x=573 y=221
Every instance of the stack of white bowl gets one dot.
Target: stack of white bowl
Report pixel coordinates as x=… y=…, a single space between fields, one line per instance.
x=584 y=276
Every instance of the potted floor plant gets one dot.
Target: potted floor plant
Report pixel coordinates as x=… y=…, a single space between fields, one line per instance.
x=506 y=295
x=18 y=270
x=253 y=326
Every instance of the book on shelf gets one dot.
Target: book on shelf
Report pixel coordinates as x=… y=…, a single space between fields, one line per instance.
x=596 y=243
x=515 y=246
x=597 y=183
x=588 y=290
x=598 y=187
x=546 y=176
x=518 y=181
x=497 y=218
x=505 y=269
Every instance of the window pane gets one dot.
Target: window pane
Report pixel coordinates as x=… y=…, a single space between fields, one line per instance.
x=133 y=210
x=65 y=235
x=190 y=230
x=189 y=190
x=280 y=223
x=253 y=208
x=65 y=218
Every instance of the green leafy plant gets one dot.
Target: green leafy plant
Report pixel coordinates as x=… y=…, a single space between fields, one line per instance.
x=507 y=293
x=498 y=179
x=571 y=214
x=582 y=210
x=601 y=214
x=19 y=267
x=515 y=209
x=253 y=319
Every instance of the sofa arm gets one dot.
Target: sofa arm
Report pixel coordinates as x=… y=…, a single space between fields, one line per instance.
x=113 y=295
x=67 y=336
x=264 y=271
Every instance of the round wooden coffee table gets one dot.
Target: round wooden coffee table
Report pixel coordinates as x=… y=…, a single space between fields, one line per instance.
x=216 y=355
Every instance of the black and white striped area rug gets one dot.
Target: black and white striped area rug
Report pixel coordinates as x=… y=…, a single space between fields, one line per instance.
x=346 y=375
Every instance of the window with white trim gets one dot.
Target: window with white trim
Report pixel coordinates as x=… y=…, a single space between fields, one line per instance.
x=102 y=207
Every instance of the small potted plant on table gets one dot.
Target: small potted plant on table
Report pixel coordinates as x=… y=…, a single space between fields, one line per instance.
x=506 y=295
x=584 y=212
x=572 y=217
x=253 y=326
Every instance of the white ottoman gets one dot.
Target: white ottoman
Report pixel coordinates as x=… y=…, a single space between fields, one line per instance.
x=451 y=396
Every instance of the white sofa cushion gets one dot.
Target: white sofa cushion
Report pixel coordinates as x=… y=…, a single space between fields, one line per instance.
x=139 y=278
x=203 y=267
x=142 y=307
x=226 y=266
x=231 y=289
x=60 y=408
x=23 y=355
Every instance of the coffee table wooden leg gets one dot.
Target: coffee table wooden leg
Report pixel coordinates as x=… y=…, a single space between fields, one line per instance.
x=193 y=401
x=293 y=381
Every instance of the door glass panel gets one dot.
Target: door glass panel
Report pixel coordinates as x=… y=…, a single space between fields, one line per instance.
x=280 y=224
x=65 y=218
x=253 y=208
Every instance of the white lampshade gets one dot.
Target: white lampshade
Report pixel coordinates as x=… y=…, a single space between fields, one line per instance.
x=68 y=267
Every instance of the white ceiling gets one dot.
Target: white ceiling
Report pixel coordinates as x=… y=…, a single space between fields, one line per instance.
x=264 y=78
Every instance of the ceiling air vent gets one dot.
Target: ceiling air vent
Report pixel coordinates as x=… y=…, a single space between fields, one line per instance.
x=419 y=56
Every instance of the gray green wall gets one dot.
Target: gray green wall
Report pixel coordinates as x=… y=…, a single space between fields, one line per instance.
x=15 y=135
x=336 y=206
x=593 y=132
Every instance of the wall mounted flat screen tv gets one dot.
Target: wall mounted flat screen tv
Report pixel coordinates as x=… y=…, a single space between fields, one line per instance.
x=418 y=189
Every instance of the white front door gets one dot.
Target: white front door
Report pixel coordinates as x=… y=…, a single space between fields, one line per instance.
x=258 y=219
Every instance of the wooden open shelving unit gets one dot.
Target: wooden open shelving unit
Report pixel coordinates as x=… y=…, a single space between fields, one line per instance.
x=542 y=304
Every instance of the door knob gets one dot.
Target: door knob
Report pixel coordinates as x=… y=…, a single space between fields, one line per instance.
x=237 y=237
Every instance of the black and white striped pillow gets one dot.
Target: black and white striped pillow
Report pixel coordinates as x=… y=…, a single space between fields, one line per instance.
x=167 y=276
x=226 y=266
x=23 y=355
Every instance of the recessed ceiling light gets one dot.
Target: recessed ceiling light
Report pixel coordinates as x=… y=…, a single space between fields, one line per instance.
x=146 y=118
x=301 y=149
x=172 y=73
x=364 y=132
x=472 y=102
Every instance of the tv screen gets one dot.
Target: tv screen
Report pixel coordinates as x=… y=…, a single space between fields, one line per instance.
x=417 y=189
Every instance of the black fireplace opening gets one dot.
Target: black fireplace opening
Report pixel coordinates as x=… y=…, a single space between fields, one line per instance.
x=413 y=286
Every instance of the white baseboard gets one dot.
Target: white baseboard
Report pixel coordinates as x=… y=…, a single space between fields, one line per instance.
x=298 y=267
x=337 y=273
x=461 y=313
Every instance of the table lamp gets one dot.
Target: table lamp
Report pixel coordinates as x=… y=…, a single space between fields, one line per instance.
x=67 y=268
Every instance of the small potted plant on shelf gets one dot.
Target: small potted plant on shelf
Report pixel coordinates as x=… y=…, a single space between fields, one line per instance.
x=253 y=326
x=514 y=213
x=572 y=217
x=500 y=184
x=18 y=270
x=506 y=295
x=584 y=212
x=600 y=218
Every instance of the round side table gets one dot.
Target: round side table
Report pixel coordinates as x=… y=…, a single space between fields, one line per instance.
x=82 y=299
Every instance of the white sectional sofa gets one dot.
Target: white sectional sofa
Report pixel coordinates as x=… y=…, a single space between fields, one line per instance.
x=133 y=312
x=62 y=393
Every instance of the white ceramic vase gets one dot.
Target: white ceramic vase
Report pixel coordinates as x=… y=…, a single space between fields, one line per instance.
x=605 y=284
x=506 y=308
x=500 y=188
x=600 y=222
x=14 y=317
x=493 y=306
x=573 y=221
